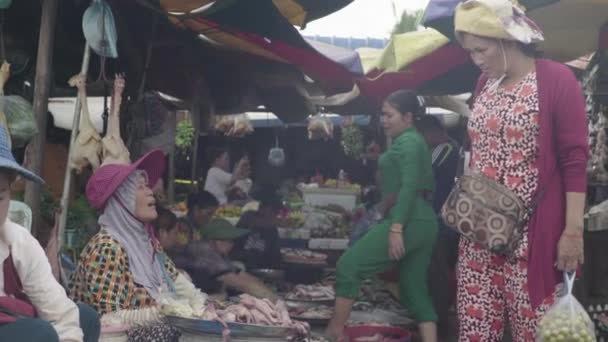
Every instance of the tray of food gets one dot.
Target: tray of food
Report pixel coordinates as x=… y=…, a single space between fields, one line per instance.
x=313 y=315
x=201 y=326
x=311 y=293
x=303 y=256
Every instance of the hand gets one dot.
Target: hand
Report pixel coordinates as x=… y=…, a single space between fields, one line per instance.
x=396 y=250
x=570 y=250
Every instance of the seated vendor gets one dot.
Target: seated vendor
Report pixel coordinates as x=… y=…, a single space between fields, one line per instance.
x=208 y=264
x=122 y=270
x=33 y=305
x=260 y=249
x=201 y=207
x=166 y=228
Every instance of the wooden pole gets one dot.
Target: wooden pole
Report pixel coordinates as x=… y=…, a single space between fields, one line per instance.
x=42 y=86
x=67 y=182
x=171 y=160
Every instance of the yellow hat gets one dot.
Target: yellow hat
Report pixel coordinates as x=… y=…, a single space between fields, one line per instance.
x=497 y=19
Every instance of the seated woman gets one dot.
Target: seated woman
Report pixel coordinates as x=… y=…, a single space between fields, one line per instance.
x=123 y=268
x=33 y=305
x=212 y=270
x=166 y=228
x=260 y=248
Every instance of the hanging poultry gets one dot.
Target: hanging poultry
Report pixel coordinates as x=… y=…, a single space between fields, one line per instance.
x=114 y=150
x=87 y=147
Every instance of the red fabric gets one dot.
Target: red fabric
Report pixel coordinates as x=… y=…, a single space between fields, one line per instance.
x=379 y=85
x=16 y=300
x=108 y=178
x=562 y=164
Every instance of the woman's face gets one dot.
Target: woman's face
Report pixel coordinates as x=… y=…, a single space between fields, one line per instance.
x=5 y=196
x=145 y=209
x=223 y=161
x=486 y=54
x=394 y=122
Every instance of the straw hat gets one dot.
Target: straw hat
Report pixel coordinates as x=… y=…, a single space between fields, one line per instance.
x=106 y=180
x=498 y=19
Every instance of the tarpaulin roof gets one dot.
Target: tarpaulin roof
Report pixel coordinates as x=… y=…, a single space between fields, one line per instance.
x=298 y=12
x=571 y=27
x=257 y=27
x=348 y=58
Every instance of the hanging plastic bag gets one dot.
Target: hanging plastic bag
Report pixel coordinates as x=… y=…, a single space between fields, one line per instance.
x=20 y=118
x=99 y=29
x=320 y=127
x=276 y=155
x=566 y=320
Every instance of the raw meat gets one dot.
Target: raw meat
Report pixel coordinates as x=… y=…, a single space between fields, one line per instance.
x=87 y=147
x=303 y=256
x=114 y=150
x=314 y=292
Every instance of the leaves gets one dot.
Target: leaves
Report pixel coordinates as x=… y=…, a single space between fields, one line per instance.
x=184 y=135
x=409 y=22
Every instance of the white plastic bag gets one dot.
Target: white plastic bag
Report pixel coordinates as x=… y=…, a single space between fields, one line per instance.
x=566 y=320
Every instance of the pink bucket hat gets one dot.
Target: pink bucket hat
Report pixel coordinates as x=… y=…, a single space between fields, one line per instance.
x=108 y=178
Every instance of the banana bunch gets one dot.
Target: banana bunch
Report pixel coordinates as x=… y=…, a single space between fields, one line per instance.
x=228 y=211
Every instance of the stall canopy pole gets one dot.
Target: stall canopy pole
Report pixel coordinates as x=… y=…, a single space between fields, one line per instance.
x=67 y=183
x=42 y=87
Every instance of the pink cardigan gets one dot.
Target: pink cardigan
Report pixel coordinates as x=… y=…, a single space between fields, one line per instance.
x=562 y=163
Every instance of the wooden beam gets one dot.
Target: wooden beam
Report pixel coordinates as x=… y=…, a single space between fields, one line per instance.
x=42 y=86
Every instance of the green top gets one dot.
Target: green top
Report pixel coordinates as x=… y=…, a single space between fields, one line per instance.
x=405 y=168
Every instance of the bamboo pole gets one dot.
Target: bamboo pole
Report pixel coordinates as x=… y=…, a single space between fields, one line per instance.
x=42 y=86
x=67 y=183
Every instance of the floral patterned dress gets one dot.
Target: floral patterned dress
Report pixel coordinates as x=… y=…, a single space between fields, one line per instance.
x=503 y=131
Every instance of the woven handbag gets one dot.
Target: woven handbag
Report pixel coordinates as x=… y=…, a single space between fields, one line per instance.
x=487 y=213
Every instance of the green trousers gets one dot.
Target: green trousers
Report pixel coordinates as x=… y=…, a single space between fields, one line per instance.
x=369 y=256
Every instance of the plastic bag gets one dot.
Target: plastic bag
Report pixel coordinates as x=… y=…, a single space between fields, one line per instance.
x=20 y=118
x=566 y=320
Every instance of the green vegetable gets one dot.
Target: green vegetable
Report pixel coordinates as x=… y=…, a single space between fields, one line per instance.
x=352 y=141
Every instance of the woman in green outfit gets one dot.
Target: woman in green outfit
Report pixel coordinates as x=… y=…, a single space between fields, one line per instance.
x=406 y=235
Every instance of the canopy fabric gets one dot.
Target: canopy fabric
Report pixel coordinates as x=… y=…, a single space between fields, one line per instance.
x=405 y=48
x=347 y=58
x=417 y=73
x=298 y=12
x=257 y=27
x=439 y=14
x=571 y=27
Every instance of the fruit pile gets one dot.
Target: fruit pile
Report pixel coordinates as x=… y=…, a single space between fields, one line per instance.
x=228 y=211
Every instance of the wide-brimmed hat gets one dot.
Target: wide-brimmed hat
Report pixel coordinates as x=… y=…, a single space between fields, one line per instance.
x=108 y=178
x=7 y=161
x=497 y=19
x=221 y=229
